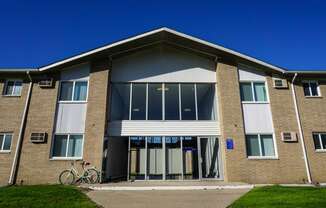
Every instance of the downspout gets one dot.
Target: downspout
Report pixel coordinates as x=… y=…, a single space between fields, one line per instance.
x=13 y=172
x=300 y=129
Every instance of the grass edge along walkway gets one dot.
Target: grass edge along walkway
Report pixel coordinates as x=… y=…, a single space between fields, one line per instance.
x=49 y=196
x=282 y=196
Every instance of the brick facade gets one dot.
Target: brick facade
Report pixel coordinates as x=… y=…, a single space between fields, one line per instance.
x=11 y=111
x=312 y=111
x=36 y=165
x=289 y=167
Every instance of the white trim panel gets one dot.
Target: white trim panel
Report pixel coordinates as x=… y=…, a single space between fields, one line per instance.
x=163 y=64
x=257 y=118
x=164 y=128
x=251 y=75
x=71 y=118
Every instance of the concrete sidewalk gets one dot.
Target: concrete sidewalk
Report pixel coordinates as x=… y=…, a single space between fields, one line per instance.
x=167 y=199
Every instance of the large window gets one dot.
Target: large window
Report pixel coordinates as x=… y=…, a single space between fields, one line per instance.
x=188 y=105
x=13 y=88
x=172 y=109
x=5 y=142
x=320 y=141
x=260 y=145
x=138 y=103
x=120 y=101
x=167 y=101
x=68 y=146
x=155 y=101
x=206 y=101
x=73 y=91
x=311 y=88
x=253 y=92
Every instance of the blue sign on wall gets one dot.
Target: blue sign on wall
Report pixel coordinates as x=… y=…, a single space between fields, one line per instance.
x=229 y=144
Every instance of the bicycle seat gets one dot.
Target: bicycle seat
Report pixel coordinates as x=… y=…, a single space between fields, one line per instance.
x=87 y=163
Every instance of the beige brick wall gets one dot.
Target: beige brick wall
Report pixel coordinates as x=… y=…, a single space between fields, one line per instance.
x=96 y=112
x=313 y=118
x=11 y=111
x=289 y=167
x=36 y=166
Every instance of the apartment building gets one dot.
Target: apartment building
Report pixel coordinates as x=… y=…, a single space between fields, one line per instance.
x=163 y=105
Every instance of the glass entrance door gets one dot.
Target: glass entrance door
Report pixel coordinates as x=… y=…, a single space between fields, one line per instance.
x=209 y=151
x=173 y=158
x=190 y=158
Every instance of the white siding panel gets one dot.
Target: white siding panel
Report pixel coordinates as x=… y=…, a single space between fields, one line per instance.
x=164 y=128
x=257 y=118
x=251 y=75
x=71 y=118
x=78 y=72
x=163 y=64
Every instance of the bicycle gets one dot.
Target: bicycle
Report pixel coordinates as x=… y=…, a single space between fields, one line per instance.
x=72 y=176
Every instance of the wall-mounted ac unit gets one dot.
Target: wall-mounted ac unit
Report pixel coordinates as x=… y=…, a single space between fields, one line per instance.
x=38 y=137
x=280 y=83
x=289 y=136
x=46 y=83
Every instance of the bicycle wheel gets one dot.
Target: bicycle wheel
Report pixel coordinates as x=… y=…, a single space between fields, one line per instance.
x=92 y=176
x=67 y=177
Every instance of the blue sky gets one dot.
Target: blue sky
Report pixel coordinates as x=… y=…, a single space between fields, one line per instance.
x=288 y=33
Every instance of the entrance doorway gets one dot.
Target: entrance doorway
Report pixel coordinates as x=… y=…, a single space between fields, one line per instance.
x=173 y=158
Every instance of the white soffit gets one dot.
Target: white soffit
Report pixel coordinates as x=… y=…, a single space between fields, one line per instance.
x=157 y=31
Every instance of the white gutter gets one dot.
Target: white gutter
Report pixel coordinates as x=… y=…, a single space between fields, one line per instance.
x=14 y=166
x=300 y=129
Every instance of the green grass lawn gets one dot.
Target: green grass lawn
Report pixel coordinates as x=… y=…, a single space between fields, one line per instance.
x=278 y=196
x=44 y=196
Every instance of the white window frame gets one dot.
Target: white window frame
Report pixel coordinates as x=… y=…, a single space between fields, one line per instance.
x=68 y=138
x=14 y=87
x=310 y=91
x=73 y=92
x=260 y=146
x=322 y=149
x=3 y=142
x=252 y=82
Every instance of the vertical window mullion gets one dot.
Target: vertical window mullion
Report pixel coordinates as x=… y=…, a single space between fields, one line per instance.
x=130 y=101
x=146 y=107
x=3 y=141
x=260 y=147
x=196 y=106
x=181 y=146
x=68 y=138
x=180 y=109
x=253 y=92
x=146 y=153
x=320 y=141
x=73 y=91
x=163 y=101
x=310 y=90
x=13 y=88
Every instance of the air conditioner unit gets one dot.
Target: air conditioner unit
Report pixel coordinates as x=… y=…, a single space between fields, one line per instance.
x=289 y=137
x=38 y=137
x=280 y=83
x=46 y=83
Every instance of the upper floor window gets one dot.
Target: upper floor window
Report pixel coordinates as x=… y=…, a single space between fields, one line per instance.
x=253 y=92
x=73 y=91
x=5 y=142
x=163 y=101
x=311 y=88
x=13 y=88
x=260 y=145
x=319 y=141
